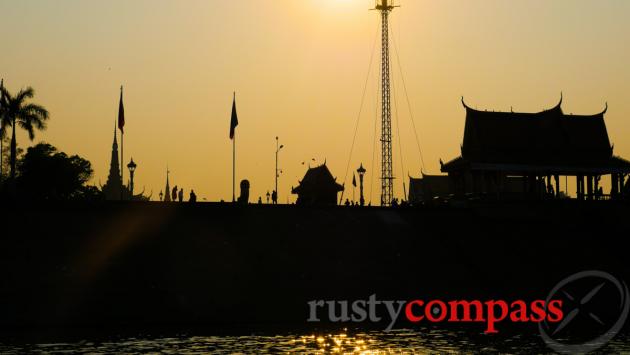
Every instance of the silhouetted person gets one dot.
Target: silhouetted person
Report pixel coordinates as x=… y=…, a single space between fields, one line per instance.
x=174 y=194
x=193 y=197
x=347 y=203
x=259 y=200
x=274 y=197
x=268 y=195
x=244 y=197
x=181 y=195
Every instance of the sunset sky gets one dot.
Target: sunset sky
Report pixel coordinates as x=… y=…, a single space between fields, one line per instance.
x=299 y=68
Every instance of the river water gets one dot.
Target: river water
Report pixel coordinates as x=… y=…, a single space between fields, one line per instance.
x=344 y=342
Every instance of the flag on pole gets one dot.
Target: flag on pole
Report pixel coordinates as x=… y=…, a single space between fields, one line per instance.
x=234 y=120
x=121 y=112
x=354 y=180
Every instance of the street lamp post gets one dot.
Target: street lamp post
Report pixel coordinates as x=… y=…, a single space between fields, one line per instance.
x=132 y=168
x=361 y=170
x=278 y=147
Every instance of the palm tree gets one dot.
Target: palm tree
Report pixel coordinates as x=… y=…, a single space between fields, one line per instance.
x=28 y=116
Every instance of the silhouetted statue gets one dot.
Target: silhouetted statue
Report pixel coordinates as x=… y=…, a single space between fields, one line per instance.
x=274 y=197
x=174 y=194
x=244 y=197
x=193 y=197
x=181 y=195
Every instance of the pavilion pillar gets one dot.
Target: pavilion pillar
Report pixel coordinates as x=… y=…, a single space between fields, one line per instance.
x=498 y=184
x=557 y=178
x=578 y=193
x=534 y=186
x=580 y=187
x=589 y=187
x=614 y=191
x=596 y=186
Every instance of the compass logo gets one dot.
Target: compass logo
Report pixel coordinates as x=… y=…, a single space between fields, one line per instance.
x=596 y=307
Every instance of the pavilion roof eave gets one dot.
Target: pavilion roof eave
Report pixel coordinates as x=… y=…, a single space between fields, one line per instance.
x=551 y=169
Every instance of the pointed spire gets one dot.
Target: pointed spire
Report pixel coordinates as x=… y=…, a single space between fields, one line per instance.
x=115 y=140
x=167 y=189
x=113 y=186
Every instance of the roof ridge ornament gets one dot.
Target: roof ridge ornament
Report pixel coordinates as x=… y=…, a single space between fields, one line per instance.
x=464 y=103
x=559 y=105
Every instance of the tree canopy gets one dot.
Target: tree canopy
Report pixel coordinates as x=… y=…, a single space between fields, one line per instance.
x=47 y=174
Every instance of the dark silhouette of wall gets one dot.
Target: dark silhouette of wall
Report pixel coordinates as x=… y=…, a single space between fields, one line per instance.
x=150 y=264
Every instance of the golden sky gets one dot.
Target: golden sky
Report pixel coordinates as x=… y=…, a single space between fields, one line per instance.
x=299 y=68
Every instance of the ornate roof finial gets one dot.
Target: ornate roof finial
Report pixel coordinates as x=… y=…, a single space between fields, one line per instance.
x=464 y=103
x=559 y=105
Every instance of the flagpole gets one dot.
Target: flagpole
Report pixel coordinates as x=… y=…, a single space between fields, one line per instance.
x=122 y=164
x=234 y=167
x=233 y=124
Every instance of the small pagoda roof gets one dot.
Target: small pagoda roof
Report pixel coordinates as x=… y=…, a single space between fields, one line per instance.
x=317 y=178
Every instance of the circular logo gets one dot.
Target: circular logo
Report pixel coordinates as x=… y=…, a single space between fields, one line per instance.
x=595 y=306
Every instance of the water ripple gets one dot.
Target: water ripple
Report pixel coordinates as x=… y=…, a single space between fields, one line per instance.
x=395 y=342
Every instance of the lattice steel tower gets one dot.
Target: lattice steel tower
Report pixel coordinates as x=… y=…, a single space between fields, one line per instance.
x=387 y=177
